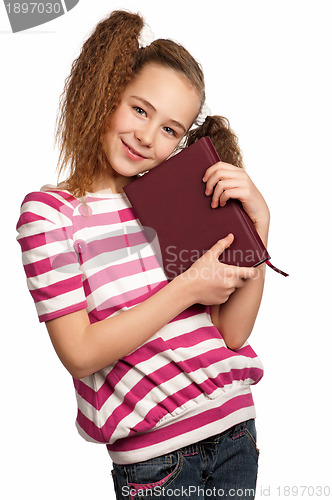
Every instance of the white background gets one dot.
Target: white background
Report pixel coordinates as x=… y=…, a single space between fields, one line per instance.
x=268 y=69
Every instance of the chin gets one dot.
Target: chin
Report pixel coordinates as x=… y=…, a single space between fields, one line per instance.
x=128 y=170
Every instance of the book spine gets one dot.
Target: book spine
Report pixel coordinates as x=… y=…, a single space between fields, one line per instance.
x=255 y=235
x=241 y=213
x=210 y=150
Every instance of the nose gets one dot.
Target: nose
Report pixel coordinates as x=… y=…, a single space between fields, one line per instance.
x=146 y=134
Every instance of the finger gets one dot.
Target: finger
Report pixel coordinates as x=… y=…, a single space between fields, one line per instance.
x=235 y=193
x=245 y=272
x=240 y=283
x=221 y=245
x=224 y=176
x=218 y=190
x=211 y=170
x=227 y=167
x=213 y=180
x=221 y=186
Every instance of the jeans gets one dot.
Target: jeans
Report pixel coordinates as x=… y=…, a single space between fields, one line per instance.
x=220 y=466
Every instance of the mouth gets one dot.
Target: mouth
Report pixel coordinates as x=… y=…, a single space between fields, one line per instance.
x=132 y=153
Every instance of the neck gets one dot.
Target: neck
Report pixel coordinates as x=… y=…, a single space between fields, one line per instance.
x=115 y=183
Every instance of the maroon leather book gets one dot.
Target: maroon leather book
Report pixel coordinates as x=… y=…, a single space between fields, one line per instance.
x=170 y=199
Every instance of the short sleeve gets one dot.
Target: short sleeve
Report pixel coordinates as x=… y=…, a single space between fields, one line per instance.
x=50 y=262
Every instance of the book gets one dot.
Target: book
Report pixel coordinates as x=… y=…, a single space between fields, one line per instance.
x=170 y=201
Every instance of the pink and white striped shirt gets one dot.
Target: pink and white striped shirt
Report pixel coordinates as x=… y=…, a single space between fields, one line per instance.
x=180 y=386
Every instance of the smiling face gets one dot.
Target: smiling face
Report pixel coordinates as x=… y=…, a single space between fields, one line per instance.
x=156 y=110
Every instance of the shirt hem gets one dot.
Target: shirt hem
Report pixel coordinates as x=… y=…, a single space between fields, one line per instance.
x=222 y=421
x=63 y=312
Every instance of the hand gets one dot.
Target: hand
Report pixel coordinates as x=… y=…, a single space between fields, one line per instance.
x=212 y=282
x=225 y=181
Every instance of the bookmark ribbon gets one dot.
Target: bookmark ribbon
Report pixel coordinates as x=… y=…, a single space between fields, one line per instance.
x=275 y=268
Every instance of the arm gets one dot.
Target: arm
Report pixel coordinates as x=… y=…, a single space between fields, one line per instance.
x=236 y=317
x=85 y=348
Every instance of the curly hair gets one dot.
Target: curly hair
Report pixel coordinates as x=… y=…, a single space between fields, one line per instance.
x=222 y=136
x=109 y=60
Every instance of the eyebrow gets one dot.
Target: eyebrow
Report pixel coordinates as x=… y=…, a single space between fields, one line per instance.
x=149 y=105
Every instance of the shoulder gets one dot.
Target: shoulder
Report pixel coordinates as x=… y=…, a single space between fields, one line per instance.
x=44 y=209
x=48 y=201
x=53 y=198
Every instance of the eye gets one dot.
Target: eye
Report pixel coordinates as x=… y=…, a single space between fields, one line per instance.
x=170 y=131
x=139 y=111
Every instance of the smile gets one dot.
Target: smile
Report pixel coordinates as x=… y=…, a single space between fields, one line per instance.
x=132 y=153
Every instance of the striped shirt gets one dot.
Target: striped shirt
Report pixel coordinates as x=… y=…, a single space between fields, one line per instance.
x=180 y=386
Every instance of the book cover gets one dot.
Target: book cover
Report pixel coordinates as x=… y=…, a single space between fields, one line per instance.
x=170 y=200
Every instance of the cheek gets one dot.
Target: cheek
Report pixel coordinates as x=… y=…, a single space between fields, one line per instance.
x=121 y=120
x=115 y=125
x=166 y=148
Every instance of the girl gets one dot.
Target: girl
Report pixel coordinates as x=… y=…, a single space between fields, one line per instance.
x=162 y=371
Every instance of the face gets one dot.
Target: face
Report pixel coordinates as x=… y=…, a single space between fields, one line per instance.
x=156 y=110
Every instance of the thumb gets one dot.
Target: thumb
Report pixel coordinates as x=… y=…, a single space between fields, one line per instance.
x=221 y=245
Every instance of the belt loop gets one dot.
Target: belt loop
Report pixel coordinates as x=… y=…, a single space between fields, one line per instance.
x=238 y=430
x=191 y=449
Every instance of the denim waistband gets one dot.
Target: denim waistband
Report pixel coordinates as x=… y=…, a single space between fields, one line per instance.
x=194 y=448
